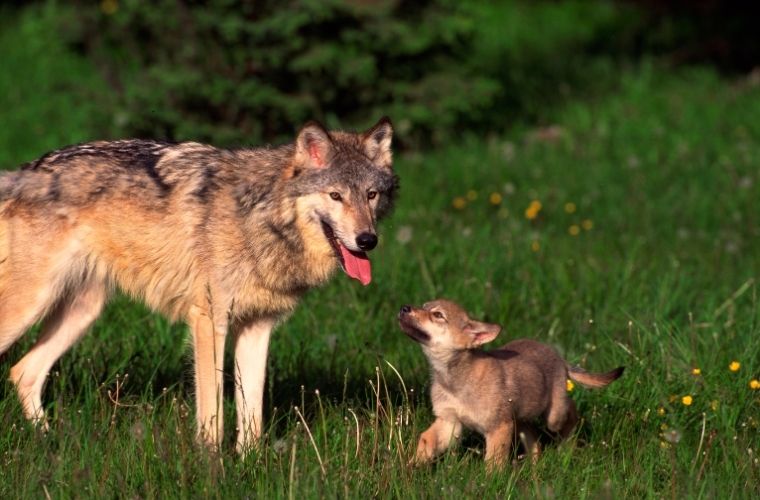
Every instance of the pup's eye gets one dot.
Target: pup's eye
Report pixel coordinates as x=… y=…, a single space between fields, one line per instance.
x=371 y=195
x=438 y=314
x=336 y=196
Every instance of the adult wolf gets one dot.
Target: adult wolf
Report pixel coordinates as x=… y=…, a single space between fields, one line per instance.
x=224 y=239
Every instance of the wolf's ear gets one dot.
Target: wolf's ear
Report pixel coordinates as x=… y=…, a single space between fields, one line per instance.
x=377 y=143
x=481 y=333
x=313 y=146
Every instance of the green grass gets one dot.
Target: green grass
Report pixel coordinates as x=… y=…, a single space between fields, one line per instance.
x=665 y=170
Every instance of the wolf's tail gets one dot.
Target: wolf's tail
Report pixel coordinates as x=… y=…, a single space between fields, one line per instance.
x=593 y=380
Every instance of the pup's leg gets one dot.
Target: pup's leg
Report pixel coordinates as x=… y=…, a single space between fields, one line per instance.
x=529 y=439
x=251 y=349
x=68 y=322
x=208 y=334
x=498 y=442
x=559 y=405
x=571 y=420
x=436 y=439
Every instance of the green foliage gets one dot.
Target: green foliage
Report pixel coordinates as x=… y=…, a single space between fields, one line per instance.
x=243 y=72
x=49 y=97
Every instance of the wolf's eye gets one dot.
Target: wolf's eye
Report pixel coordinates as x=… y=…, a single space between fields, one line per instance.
x=336 y=196
x=371 y=195
x=438 y=314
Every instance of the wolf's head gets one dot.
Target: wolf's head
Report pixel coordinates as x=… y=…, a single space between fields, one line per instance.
x=443 y=327
x=344 y=182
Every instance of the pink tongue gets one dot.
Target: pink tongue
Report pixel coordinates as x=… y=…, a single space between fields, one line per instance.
x=356 y=264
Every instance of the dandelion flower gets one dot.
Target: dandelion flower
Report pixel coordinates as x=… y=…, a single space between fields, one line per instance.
x=570 y=207
x=570 y=385
x=661 y=411
x=472 y=195
x=495 y=199
x=734 y=366
x=535 y=246
x=459 y=203
x=532 y=211
x=696 y=371
x=587 y=224
x=714 y=405
x=574 y=230
x=754 y=384
x=687 y=400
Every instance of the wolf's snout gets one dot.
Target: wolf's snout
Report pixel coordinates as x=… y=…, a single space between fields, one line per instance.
x=366 y=241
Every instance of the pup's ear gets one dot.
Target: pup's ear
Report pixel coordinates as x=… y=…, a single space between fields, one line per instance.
x=377 y=143
x=313 y=146
x=481 y=333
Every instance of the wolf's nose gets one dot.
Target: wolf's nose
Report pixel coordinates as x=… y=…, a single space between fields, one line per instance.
x=406 y=309
x=366 y=241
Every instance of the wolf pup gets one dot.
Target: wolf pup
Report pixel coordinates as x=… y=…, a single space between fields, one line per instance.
x=223 y=239
x=496 y=393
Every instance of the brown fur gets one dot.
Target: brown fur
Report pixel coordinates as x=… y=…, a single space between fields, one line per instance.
x=496 y=393
x=219 y=238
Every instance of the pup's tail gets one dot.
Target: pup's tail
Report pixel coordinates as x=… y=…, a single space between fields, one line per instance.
x=593 y=380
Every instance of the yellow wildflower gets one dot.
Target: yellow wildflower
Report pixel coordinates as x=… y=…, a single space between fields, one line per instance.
x=532 y=211
x=535 y=246
x=696 y=371
x=587 y=224
x=734 y=366
x=570 y=207
x=754 y=384
x=574 y=230
x=661 y=411
x=714 y=405
x=459 y=203
x=472 y=195
x=570 y=385
x=687 y=400
x=495 y=199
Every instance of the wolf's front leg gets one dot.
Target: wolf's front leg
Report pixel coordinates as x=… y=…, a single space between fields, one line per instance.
x=251 y=349
x=436 y=439
x=498 y=444
x=208 y=334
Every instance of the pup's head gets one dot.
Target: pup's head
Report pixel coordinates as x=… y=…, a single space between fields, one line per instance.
x=443 y=326
x=344 y=182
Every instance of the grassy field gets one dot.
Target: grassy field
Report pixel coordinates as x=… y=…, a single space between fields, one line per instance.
x=624 y=234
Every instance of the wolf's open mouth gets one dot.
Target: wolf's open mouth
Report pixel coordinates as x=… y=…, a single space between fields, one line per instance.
x=355 y=264
x=412 y=331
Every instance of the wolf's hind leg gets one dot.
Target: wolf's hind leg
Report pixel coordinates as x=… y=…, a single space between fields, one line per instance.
x=66 y=324
x=559 y=405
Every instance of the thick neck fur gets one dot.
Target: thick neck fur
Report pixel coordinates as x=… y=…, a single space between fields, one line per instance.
x=451 y=367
